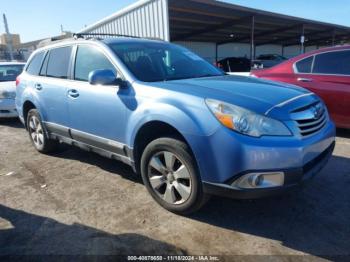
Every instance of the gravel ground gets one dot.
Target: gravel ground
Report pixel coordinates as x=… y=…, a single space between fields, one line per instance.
x=78 y=203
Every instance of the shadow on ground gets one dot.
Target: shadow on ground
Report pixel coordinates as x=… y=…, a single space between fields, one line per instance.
x=29 y=234
x=345 y=133
x=11 y=122
x=106 y=164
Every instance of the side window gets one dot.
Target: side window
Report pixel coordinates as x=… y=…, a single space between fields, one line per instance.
x=304 y=66
x=336 y=63
x=59 y=62
x=88 y=59
x=35 y=64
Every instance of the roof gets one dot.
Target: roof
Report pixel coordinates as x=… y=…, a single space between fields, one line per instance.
x=322 y=50
x=119 y=13
x=219 y=22
x=129 y=40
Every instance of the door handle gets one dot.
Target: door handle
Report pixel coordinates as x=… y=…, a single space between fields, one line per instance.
x=38 y=86
x=73 y=93
x=301 y=79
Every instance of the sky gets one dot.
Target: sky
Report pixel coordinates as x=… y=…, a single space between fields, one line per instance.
x=37 y=19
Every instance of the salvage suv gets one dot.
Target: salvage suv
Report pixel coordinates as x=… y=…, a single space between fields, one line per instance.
x=189 y=129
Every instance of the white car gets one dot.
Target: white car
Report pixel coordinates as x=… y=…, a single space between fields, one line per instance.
x=8 y=74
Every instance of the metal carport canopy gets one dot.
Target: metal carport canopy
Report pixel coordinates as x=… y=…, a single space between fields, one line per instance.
x=219 y=22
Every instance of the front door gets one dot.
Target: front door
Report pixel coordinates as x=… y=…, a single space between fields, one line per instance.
x=97 y=113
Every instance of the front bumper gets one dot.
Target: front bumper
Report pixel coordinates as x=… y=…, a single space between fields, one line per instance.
x=225 y=156
x=293 y=178
x=8 y=108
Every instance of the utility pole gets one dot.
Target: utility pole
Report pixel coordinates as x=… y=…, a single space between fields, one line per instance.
x=8 y=38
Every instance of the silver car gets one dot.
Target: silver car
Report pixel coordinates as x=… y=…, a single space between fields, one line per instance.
x=8 y=74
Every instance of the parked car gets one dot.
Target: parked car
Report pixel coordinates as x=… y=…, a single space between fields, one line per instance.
x=8 y=74
x=268 y=60
x=325 y=72
x=234 y=64
x=189 y=129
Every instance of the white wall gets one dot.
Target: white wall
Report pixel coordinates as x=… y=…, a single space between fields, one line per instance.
x=268 y=49
x=206 y=50
x=291 y=51
x=233 y=50
x=310 y=48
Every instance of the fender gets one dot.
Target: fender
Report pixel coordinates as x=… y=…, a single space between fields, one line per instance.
x=172 y=112
x=30 y=95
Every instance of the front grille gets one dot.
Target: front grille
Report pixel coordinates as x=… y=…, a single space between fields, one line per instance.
x=312 y=119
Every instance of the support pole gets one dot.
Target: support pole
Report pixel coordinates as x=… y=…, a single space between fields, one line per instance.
x=252 y=44
x=333 y=37
x=302 y=39
x=8 y=38
x=216 y=53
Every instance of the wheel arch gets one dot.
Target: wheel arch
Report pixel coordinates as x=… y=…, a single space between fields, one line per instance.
x=146 y=134
x=27 y=106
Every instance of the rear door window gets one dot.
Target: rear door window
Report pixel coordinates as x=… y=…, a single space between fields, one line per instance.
x=333 y=63
x=59 y=61
x=35 y=64
x=88 y=59
x=304 y=66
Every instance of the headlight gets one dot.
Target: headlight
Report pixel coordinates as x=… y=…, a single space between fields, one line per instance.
x=246 y=122
x=7 y=95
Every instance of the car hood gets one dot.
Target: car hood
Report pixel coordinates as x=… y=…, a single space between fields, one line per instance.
x=251 y=93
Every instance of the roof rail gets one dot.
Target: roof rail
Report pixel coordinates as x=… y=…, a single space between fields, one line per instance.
x=100 y=36
x=94 y=35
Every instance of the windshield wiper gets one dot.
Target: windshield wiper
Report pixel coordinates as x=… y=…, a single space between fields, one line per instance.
x=207 y=75
x=177 y=78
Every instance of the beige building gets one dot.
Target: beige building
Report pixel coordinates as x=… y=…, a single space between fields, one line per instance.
x=16 y=40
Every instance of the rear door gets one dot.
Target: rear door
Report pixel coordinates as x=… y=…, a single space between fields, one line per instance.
x=51 y=86
x=97 y=113
x=330 y=79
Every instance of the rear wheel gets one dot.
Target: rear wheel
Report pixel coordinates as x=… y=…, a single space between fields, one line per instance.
x=38 y=134
x=170 y=175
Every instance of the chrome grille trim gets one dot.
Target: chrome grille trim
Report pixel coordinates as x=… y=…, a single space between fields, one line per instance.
x=315 y=118
x=322 y=118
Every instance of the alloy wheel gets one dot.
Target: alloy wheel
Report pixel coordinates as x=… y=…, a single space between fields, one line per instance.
x=169 y=178
x=36 y=132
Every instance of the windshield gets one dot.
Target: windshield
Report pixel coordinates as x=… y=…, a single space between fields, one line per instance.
x=153 y=62
x=10 y=72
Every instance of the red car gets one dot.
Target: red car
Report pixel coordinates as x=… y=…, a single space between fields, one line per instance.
x=325 y=72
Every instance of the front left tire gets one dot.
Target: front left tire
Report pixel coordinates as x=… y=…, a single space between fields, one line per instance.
x=171 y=176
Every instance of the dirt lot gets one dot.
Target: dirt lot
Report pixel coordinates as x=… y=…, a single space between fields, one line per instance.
x=78 y=203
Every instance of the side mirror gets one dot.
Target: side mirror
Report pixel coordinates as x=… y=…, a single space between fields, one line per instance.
x=106 y=77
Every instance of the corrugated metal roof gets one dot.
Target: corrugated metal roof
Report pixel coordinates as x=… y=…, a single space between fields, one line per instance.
x=217 y=22
x=145 y=18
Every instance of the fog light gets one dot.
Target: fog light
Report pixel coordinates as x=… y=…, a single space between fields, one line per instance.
x=260 y=180
x=256 y=180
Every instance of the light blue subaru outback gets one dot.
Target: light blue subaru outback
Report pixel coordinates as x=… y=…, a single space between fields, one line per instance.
x=189 y=129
